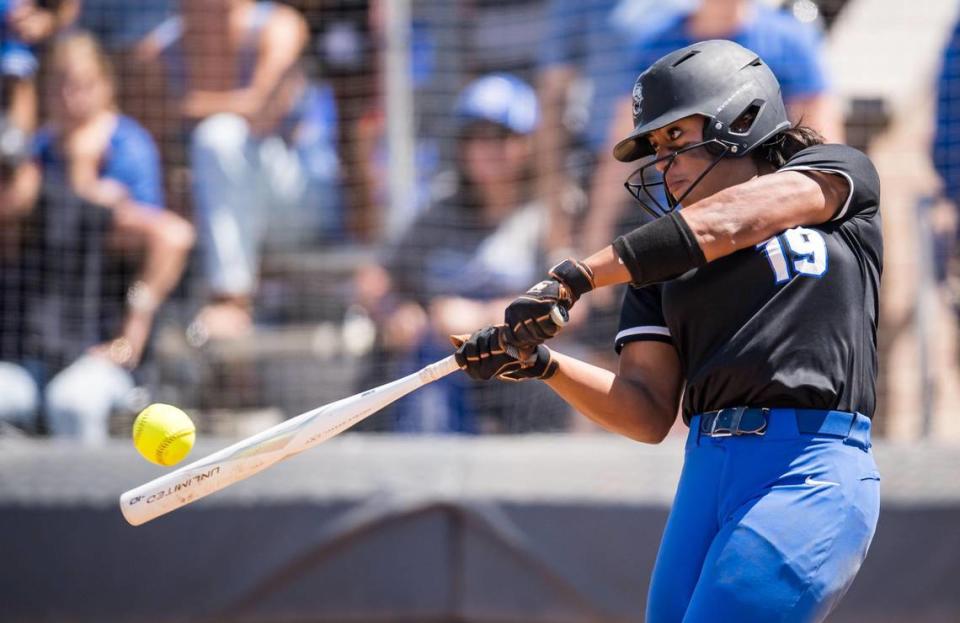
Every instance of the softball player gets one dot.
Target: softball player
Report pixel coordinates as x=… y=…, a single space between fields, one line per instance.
x=757 y=303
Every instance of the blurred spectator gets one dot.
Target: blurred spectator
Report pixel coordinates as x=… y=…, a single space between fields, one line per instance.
x=447 y=41
x=97 y=254
x=946 y=160
x=791 y=48
x=461 y=260
x=262 y=144
x=14 y=151
x=503 y=35
x=430 y=71
x=946 y=142
x=25 y=24
x=582 y=71
x=120 y=25
x=342 y=51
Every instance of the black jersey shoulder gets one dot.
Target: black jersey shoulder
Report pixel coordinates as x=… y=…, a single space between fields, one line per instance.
x=854 y=165
x=641 y=317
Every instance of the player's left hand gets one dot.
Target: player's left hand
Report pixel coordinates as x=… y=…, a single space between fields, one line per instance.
x=532 y=317
x=484 y=356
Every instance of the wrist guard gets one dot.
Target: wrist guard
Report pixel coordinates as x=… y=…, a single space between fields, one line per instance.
x=659 y=251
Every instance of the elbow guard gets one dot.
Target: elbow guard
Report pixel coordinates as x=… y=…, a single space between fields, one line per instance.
x=659 y=251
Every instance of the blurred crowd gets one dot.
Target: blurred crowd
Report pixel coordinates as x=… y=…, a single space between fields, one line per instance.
x=192 y=167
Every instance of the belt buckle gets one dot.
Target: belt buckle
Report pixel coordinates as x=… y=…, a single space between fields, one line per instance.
x=729 y=426
x=717 y=428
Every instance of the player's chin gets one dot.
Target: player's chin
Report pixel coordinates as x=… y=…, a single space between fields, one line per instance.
x=678 y=188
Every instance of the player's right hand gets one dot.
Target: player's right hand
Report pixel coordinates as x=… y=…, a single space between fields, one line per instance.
x=532 y=318
x=540 y=313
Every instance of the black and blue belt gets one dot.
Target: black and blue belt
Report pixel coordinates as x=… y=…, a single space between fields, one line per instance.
x=734 y=421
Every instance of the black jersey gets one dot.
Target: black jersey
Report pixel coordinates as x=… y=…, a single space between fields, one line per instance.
x=791 y=322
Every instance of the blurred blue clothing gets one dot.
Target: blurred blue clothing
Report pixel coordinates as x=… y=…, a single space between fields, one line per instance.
x=440 y=407
x=946 y=141
x=312 y=124
x=17 y=59
x=131 y=159
x=255 y=193
x=452 y=250
x=579 y=34
x=593 y=36
x=790 y=47
x=423 y=53
x=120 y=24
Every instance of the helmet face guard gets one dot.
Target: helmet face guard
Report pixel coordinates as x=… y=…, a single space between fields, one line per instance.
x=646 y=177
x=727 y=84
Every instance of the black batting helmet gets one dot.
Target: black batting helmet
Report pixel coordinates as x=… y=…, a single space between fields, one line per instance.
x=723 y=81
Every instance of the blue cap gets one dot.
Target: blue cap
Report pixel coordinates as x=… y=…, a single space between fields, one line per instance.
x=499 y=98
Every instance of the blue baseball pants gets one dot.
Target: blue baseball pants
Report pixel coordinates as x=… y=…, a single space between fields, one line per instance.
x=767 y=528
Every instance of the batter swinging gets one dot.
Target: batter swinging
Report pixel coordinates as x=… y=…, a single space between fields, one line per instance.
x=757 y=302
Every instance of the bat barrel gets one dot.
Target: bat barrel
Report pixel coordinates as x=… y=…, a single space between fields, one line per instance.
x=249 y=456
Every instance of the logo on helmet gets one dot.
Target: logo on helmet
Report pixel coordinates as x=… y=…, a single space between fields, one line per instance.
x=637 y=98
x=733 y=96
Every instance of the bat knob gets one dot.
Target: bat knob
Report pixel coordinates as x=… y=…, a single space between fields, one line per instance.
x=559 y=315
x=458 y=340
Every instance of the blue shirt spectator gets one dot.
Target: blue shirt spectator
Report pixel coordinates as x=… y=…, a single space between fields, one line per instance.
x=583 y=71
x=789 y=47
x=107 y=252
x=946 y=142
x=17 y=60
x=591 y=35
x=26 y=25
x=131 y=158
x=263 y=149
x=459 y=261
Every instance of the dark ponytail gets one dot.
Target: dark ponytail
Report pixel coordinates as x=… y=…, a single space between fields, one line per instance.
x=776 y=150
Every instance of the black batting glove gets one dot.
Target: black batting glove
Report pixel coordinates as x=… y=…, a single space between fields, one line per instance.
x=484 y=356
x=541 y=365
x=540 y=313
x=537 y=315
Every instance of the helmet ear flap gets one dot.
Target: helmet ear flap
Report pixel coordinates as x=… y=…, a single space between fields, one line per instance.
x=710 y=131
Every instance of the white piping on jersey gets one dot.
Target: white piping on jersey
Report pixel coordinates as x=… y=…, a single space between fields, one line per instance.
x=846 y=205
x=643 y=330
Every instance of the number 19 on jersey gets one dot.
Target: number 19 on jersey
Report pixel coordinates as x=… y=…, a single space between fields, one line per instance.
x=797 y=251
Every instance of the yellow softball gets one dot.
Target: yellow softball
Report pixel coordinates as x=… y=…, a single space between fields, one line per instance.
x=163 y=434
